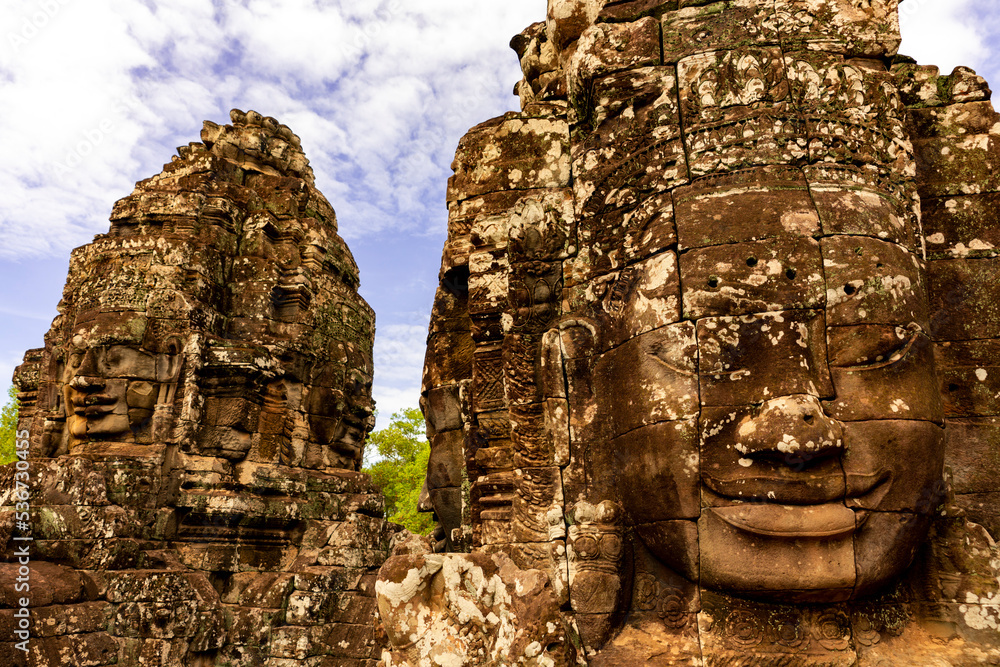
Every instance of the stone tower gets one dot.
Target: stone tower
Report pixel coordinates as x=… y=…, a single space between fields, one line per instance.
x=196 y=421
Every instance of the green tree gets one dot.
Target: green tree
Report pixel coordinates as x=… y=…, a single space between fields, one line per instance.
x=8 y=427
x=396 y=458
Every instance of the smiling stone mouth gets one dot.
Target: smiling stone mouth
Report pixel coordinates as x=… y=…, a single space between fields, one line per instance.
x=94 y=410
x=813 y=506
x=93 y=404
x=830 y=520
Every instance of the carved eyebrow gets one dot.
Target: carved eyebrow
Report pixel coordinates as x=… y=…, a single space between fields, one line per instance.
x=898 y=355
x=654 y=351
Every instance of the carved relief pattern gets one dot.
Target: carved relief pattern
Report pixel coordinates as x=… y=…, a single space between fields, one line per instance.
x=488 y=381
x=668 y=602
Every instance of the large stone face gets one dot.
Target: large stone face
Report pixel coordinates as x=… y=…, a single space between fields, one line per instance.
x=726 y=378
x=196 y=424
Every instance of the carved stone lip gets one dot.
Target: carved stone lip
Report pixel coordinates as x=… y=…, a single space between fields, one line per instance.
x=96 y=410
x=791 y=515
x=93 y=403
x=830 y=520
x=794 y=489
x=801 y=489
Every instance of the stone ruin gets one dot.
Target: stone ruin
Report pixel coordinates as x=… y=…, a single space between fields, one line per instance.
x=196 y=419
x=711 y=377
x=716 y=348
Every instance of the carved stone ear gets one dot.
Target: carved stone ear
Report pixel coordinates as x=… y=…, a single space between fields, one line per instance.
x=168 y=362
x=564 y=387
x=568 y=340
x=580 y=337
x=550 y=373
x=566 y=349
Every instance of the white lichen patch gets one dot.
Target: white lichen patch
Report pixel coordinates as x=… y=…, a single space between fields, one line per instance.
x=399 y=593
x=691 y=462
x=980 y=617
x=962 y=250
x=843 y=293
x=789 y=443
x=802 y=222
x=898 y=286
x=774 y=267
x=899 y=405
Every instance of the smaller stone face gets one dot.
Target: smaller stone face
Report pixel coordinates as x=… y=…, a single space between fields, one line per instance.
x=112 y=391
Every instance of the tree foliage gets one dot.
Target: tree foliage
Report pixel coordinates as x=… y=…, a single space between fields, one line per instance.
x=396 y=458
x=8 y=427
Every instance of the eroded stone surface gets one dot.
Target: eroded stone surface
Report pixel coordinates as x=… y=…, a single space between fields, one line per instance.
x=479 y=609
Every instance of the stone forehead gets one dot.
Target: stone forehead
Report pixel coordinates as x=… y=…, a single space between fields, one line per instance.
x=709 y=143
x=231 y=235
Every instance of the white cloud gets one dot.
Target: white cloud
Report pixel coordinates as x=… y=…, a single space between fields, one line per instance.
x=399 y=359
x=943 y=33
x=399 y=349
x=295 y=41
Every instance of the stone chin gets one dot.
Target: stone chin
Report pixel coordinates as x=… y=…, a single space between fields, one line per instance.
x=103 y=427
x=802 y=554
x=94 y=417
x=799 y=554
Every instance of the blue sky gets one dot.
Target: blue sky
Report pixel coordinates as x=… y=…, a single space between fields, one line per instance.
x=97 y=94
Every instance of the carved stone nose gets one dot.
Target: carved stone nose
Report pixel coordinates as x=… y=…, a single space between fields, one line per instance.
x=85 y=383
x=90 y=364
x=792 y=426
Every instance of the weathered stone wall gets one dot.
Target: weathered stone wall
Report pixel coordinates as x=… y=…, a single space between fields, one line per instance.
x=112 y=584
x=955 y=131
x=196 y=422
